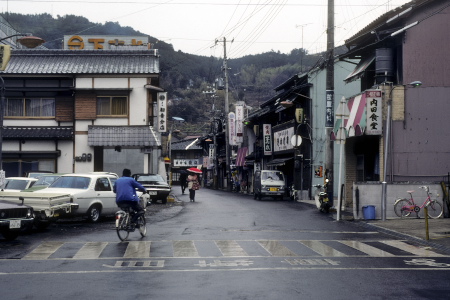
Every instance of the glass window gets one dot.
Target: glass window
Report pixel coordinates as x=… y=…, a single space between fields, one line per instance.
x=102 y=184
x=112 y=106
x=30 y=107
x=71 y=182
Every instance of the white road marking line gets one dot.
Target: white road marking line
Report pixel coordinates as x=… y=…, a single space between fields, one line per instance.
x=412 y=249
x=44 y=250
x=372 y=251
x=184 y=249
x=91 y=250
x=322 y=249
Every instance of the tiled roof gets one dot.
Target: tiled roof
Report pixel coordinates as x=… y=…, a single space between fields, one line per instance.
x=37 y=133
x=83 y=62
x=382 y=20
x=131 y=136
x=181 y=145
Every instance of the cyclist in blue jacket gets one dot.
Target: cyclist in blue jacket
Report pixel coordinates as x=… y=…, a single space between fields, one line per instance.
x=125 y=189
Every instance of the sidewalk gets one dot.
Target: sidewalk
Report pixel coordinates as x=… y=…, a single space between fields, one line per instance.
x=409 y=228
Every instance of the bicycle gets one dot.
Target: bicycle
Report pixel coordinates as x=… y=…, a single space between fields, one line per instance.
x=124 y=225
x=404 y=207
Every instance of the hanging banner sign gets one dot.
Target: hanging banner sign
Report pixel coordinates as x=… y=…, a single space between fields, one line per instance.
x=162 y=111
x=267 y=135
x=232 y=128
x=374 y=110
x=239 y=124
x=329 y=109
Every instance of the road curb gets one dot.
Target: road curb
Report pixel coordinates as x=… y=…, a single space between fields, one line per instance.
x=404 y=236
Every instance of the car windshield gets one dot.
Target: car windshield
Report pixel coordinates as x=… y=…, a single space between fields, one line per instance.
x=272 y=175
x=71 y=182
x=45 y=180
x=149 y=178
x=15 y=184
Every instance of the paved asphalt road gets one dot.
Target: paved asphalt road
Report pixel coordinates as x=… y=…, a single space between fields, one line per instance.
x=224 y=246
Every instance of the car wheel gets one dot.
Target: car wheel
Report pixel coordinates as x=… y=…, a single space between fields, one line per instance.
x=10 y=235
x=93 y=213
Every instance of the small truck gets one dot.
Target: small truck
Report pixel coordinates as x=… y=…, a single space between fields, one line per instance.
x=47 y=207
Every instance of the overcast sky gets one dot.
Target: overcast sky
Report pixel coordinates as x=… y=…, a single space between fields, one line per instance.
x=192 y=26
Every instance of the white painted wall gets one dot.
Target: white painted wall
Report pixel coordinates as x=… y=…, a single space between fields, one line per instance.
x=65 y=161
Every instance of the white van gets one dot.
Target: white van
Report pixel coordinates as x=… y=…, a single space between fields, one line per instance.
x=270 y=183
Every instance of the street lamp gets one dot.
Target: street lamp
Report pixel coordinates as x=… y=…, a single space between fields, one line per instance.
x=29 y=42
x=386 y=146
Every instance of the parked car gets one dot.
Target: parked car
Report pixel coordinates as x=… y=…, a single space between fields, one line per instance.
x=37 y=174
x=16 y=184
x=269 y=183
x=43 y=182
x=157 y=188
x=91 y=191
x=14 y=218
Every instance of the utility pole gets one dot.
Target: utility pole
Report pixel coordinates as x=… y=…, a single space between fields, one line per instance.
x=329 y=114
x=227 y=111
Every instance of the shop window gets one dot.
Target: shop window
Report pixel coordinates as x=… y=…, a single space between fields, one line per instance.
x=30 y=107
x=112 y=106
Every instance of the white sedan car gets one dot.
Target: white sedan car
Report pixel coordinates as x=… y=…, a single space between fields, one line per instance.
x=93 y=192
x=16 y=184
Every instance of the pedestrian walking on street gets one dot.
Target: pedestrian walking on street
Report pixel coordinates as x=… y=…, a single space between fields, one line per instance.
x=193 y=185
x=183 y=180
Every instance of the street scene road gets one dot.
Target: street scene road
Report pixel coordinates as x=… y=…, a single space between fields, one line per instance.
x=223 y=246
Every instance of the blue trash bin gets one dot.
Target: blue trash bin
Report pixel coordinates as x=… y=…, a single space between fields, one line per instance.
x=369 y=212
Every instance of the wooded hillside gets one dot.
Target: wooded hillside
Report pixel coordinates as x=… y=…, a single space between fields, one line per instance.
x=186 y=77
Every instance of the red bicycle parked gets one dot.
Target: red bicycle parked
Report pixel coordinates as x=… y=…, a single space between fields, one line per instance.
x=404 y=207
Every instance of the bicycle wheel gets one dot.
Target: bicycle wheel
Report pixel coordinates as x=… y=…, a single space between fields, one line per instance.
x=122 y=228
x=142 y=226
x=398 y=208
x=434 y=209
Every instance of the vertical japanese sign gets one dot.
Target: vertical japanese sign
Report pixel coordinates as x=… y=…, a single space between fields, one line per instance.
x=239 y=125
x=162 y=112
x=232 y=128
x=374 y=110
x=267 y=135
x=329 y=109
x=211 y=151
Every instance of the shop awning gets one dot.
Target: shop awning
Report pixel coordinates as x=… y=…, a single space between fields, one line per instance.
x=358 y=72
x=250 y=162
x=124 y=136
x=240 y=158
x=356 y=122
x=278 y=162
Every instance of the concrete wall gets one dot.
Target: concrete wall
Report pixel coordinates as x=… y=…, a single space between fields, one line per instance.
x=370 y=194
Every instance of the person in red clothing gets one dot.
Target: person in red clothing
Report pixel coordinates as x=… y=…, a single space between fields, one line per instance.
x=193 y=185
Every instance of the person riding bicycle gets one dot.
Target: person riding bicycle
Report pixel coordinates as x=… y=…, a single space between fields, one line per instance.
x=125 y=189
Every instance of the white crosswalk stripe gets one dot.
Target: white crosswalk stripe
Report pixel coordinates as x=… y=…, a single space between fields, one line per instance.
x=226 y=248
